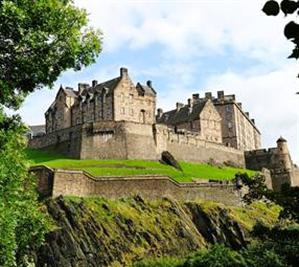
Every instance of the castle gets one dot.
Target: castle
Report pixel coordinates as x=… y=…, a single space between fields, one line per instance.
x=117 y=119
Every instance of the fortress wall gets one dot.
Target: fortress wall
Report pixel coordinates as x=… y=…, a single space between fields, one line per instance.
x=77 y=183
x=190 y=147
x=140 y=141
x=65 y=141
x=257 y=159
x=103 y=140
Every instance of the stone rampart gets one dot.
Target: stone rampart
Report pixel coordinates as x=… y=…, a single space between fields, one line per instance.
x=65 y=141
x=189 y=146
x=79 y=183
x=131 y=140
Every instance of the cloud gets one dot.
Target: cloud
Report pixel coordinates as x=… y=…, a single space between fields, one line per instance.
x=271 y=100
x=189 y=28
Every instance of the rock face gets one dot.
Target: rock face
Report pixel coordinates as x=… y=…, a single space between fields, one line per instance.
x=100 y=232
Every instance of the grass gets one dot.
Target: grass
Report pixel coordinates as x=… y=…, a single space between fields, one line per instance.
x=190 y=171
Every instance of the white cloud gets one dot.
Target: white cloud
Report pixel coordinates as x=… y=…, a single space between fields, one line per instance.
x=188 y=28
x=270 y=98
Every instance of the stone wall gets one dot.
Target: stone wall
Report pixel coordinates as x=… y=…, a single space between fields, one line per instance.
x=65 y=141
x=78 y=183
x=129 y=140
x=190 y=147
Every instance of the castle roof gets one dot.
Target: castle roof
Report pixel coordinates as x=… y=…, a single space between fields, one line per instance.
x=145 y=89
x=184 y=114
x=70 y=92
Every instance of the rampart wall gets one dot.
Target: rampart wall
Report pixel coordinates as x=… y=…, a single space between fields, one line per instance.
x=130 y=140
x=78 y=183
x=190 y=147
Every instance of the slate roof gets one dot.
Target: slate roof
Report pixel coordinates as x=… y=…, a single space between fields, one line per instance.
x=145 y=90
x=108 y=85
x=183 y=115
x=70 y=92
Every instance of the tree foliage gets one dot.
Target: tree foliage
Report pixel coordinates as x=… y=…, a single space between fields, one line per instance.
x=39 y=40
x=21 y=223
x=291 y=30
x=287 y=197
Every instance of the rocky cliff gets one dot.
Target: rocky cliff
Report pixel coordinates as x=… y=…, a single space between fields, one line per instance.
x=100 y=232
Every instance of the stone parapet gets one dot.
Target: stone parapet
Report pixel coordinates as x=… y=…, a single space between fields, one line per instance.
x=82 y=184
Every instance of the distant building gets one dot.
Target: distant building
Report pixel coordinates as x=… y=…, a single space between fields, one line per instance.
x=36 y=131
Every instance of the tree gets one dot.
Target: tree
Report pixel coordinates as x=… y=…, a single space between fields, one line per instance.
x=287 y=197
x=291 y=30
x=39 y=39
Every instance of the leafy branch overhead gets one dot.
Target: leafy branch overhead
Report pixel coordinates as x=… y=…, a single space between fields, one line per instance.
x=38 y=41
x=291 y=30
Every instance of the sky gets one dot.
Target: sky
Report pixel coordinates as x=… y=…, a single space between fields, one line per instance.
x=187 y=47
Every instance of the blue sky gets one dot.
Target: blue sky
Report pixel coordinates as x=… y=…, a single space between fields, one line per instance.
x=194 y=46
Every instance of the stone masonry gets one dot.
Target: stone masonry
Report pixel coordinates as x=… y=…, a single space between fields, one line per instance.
x=116 y=120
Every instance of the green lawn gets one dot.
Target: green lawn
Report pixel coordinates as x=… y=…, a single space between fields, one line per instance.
x=190 y=171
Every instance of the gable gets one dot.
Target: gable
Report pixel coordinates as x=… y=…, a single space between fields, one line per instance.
x=209 y=112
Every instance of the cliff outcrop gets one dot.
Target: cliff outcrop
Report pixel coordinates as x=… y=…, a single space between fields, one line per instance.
x=100 y=232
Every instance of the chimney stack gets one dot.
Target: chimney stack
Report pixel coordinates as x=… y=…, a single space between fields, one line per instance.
x=220 y=95
x=247 y=114
x=253 y=121
x=195 y=98
x=240 y=105
x=208 y=95
x=160 y=113
x=94 y=83
x=179 y=106
x=82 y=87
x=123 y=72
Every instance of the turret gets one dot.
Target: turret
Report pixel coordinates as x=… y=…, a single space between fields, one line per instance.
x=284 y=154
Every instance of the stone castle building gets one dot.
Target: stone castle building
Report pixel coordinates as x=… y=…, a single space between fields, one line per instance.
x=114 y=100
x=117 y=119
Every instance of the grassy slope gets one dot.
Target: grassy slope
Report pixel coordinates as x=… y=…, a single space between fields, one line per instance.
x=134 y=167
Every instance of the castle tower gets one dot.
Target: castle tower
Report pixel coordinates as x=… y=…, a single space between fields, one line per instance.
x=284 y=154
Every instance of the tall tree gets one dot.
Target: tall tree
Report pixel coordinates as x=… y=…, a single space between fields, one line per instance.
x=39 y=39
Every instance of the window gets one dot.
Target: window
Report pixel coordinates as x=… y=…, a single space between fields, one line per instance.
x=131 y=96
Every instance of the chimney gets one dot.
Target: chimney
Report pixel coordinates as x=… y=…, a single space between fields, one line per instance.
x=240 y=105
x=247 y=114
x=82 y=87
x=123 y=72
x=69 y=88
x=94 y=83
x=208 y=95
x=179 y=106
x=190 y=103
x=195 y=98
x=220 y=95
x=149 y=84
x=253 y=121
x=160 y=113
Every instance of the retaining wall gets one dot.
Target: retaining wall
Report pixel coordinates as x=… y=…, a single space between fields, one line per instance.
x=78 y=183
